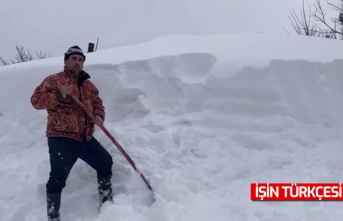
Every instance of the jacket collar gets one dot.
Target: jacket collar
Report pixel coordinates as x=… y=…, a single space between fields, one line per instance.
x=82 y=77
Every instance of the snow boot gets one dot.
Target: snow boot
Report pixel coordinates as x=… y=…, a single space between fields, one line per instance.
x=105 y=189
x=53 y=206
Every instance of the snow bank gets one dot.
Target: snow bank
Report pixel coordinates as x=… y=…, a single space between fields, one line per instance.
x=202 y=117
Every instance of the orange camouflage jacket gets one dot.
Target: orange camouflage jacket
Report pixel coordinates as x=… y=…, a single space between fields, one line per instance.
x=65 y=117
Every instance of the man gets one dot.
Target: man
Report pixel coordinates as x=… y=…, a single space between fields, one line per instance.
x=70 y=130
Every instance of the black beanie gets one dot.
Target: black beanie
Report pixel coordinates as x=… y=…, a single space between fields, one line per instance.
x=74 y=50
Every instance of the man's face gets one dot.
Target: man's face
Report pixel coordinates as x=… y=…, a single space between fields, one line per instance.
x=74 y=64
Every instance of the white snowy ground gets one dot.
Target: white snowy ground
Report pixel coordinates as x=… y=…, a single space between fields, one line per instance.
x=202 y=117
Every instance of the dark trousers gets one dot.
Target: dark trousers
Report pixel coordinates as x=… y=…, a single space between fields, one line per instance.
x=64 y=152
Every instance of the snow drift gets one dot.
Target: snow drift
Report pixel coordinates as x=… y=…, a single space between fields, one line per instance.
x=202 y=117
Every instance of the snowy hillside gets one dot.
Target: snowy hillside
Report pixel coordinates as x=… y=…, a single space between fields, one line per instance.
x=202 y=117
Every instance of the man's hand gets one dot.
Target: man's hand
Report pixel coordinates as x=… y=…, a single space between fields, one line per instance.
x=98 y=121
x=65 y=90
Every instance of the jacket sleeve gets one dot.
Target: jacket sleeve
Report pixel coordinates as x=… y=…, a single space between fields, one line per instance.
x=45 y=96
x=98 y=108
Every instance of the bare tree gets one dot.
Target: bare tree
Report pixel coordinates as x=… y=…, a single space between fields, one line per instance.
x=316 y=22
x=23 y=55
x=303 y=23
x=3 y=62
x=41 y=55
x=332 y=25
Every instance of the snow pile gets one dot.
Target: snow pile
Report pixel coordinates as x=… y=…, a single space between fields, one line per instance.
x=202 y=117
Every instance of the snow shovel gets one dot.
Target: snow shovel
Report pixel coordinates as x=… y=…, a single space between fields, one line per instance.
x=128 y=158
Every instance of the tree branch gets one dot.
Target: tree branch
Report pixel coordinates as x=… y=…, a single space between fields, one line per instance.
x=320 y=15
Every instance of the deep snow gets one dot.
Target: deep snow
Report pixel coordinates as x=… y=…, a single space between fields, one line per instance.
x=202 y=117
